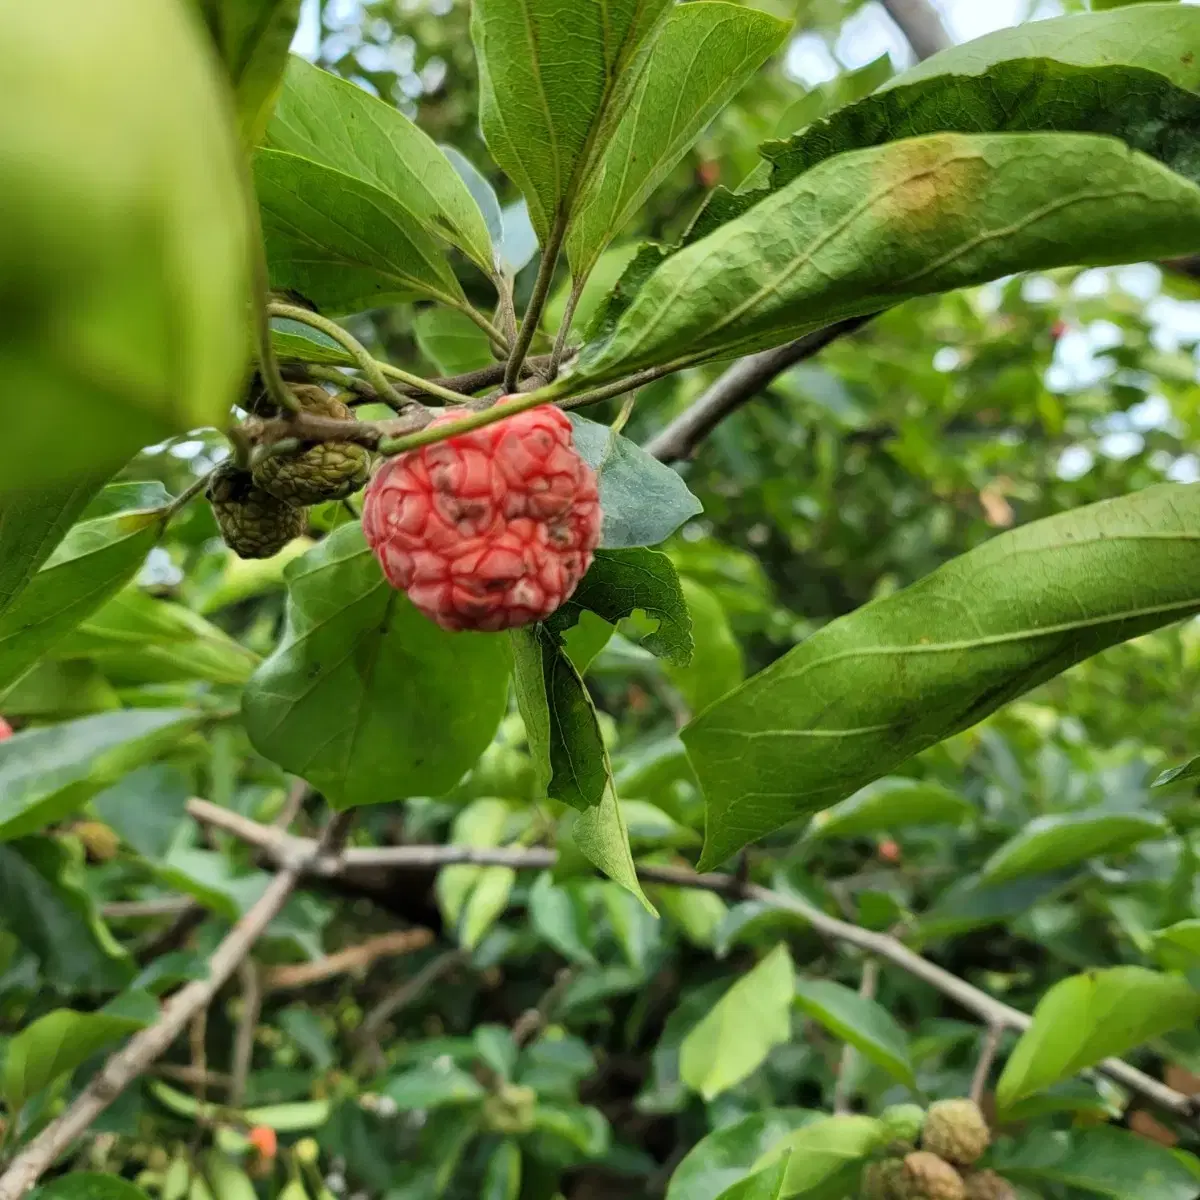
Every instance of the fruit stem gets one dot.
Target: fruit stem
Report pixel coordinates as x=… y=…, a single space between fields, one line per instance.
x=185 y=497
x=477 y=420
x=370 y=367
x=537 y=301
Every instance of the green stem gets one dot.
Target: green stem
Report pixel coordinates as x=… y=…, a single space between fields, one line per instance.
x=558 y=392
x=537 y=301
x=473 y=314
x=185 y=497
x=489 y=416
x=560 y=341
x=370 y=367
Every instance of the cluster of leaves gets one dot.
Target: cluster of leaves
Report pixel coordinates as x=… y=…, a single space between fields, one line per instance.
x=556 y=1033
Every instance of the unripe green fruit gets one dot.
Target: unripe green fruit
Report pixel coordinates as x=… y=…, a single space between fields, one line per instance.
x=904 y=1123
x=124 y=251
x=956 y=1131
x=253 y=523
x=325 y=471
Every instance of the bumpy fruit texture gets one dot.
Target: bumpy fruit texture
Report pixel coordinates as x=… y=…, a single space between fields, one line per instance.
x=987 y=1185
x=253 y=523
x=957 y=1131
x=491 y=529
x=883 y=1180
x=928 y=1177
x=904 y=1123
x=6 y=730
x=99 y=840
x=326 y=471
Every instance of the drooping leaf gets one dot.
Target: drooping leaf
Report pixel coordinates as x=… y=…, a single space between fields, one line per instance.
x=874 y=227
x=93 y=562
x=888 y=804
x=1086 y=1018
x=32 y=523
x=643 y=500
x=49 y=771
x=55 y=1045
x=452 y=342
x=700 y=58
x=622 y=582
x=342 y=243
x=1101 y=1162
x=866 y=1025
x=869 y=690
x=252 y=39
x=125 y=269
x=551 y=76
x=44 y=903
x=340 y=125
x=740 y=1030
x=1058 y=840
x=718 y=1161
x=823 y=1149
x=364 y=697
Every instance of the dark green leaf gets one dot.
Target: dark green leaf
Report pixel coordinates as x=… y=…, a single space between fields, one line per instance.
x=970 y=903
x=452 y=342
x=871 y=689
x=85 y=1185
x=252 y=39
x=559 y=915
x=343 y=244
x=644 y=502
x=891 y=804
x=146 y=807
x=365 y=698
x=295 y=340
x=305 y=1028
x=717 y=665
x=580 y=1125
x=432 y=1086
x=1086 y=1018
x=1051 y=842
x=1188 y=772
x=94 y=561
x=866 y=1025
x=48 y=772
x=740 y=1030
x=340 y=125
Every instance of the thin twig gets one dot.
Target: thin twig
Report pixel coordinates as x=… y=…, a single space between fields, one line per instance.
x=537 y=301
x=243 y=1040
x=288 y=850
x=210 y=1079
x=185 y=497
x=133 y=910
x=197 y=1037
x=353 y=958
x=533 y=1020
x=987 y=1056
x=560 y=341
x=297 y=794
x=919 y=22
x=843 y=1089
x=145 y=1046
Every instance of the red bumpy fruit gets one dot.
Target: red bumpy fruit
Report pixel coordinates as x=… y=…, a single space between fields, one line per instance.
x=6 y=730
x=491 y=529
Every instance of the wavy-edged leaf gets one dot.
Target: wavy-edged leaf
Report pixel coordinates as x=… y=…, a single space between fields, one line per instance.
x=252 y=39
x=1049 y=843
x=1086 y=1018
x=622 y=582
x=552 y=76
x=874 y=227
x=334 y=122
x=862 y=1022
x=92 y=562
x=364 y=697
x=740 y=1030
x=873 y=688
x=698 y=61
x=643 y=500
x=343 y=244
x=888 y=804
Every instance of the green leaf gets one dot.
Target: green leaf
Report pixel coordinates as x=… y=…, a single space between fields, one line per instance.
x=452 y=342
x=1101 y=1162
x=481 y=191
x=1128 y=76
x=1188 y=772
x=766 y=1184
x=32 y=523
x=364 y=697
x=601 y=835
x=1086 y=1018
x=94 y=561
x=866 y=1025
x=252 y=39
x=698 y=914
x=50 y=771
x=644 y=501
x=433 y=1085
x=559 y=915
x=289 y=1118
x=698 y=61
x=970 y=903
x=1062 y=840
x=720 y=1160
x=485 y=904
x=888 y=804
x=340 y=125
x=502 y=1178
x=54 y=1045
x=874 y=227
x=579 y=1125
x=622 y=582
x=43 y=901
x=871 y=689
x=551 y=83
x=739 y=1031
x=146 y=807
x=717 y=665
x=86 y=1185
x=343 y=244
x=820 y=1150
x=1178 y=946
x=117 y=498
x=56 y=691
x=293 y=340
x=125 y=268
